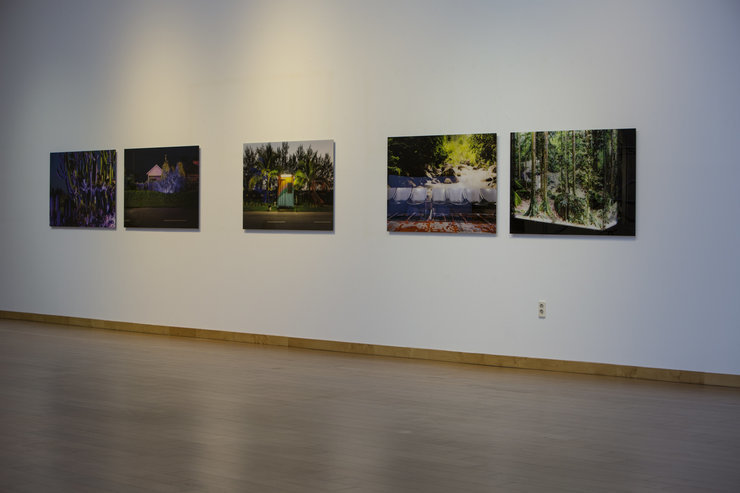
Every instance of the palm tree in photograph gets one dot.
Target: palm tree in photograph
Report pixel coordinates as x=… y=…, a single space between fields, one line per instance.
x=311 y=173
x=249 y=163
x=284 y=158
x=267 y=164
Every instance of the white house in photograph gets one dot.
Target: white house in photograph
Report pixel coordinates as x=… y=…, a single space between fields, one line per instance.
x=154 y=174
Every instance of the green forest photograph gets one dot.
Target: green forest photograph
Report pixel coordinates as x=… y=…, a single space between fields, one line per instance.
x=288 y=185
x=442 y=184
x=577 y=182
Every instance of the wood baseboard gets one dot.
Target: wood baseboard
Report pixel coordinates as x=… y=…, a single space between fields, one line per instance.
x=525 y=363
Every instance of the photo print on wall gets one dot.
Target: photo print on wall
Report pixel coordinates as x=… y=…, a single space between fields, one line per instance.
x=442 y=184
x=288 y=185
x=162 y=187
x=83 y=189
x=573 y=182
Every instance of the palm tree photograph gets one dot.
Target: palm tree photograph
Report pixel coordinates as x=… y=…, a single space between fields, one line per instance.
x=573 y=182
x=289 y=185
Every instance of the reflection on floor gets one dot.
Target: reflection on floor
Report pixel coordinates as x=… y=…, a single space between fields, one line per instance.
x=89 y=411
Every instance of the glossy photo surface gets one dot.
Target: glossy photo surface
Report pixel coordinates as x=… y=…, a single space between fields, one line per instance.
x=573 y=182
x=83 y=189
x=288 y=185
x=162 y=188
x=442 y=184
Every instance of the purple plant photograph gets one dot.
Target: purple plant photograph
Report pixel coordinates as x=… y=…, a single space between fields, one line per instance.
x=83 y=189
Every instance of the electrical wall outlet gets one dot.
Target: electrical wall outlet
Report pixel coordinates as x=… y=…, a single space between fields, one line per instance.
x=541 y=309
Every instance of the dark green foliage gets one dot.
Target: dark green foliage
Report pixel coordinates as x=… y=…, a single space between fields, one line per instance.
x=484 y=146
x=520 y=192
x=596 y=199
x=149 y=198
x=574 y=206
x=262 y=166
x=313 y=173
x=516 y=198
x=249 y=165
x=579 y=173
x=413 y=155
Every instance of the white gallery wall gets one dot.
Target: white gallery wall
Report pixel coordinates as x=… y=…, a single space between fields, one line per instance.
x=91 y=74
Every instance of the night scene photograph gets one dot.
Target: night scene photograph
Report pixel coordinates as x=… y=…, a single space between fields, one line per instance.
x=162 y=187
x=288 y=185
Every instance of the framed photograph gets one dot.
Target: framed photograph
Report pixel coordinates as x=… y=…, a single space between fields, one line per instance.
x=442 y=184
x=288 y=185
x=573 y=182
x=162 y=187
x=83 y=189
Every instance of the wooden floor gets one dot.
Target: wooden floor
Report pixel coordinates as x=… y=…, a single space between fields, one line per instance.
x=87 y=410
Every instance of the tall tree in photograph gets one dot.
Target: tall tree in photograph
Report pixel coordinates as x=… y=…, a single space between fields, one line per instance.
x=517 y=186
x=612 y=164
x=566 y=188
x=573 y=162
x=533 y=209
x=267 y=161
x=283 y=158
x=518 y=156
x=585 y=171
x=313 y=172
x=249 y=164
x=544 y=178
